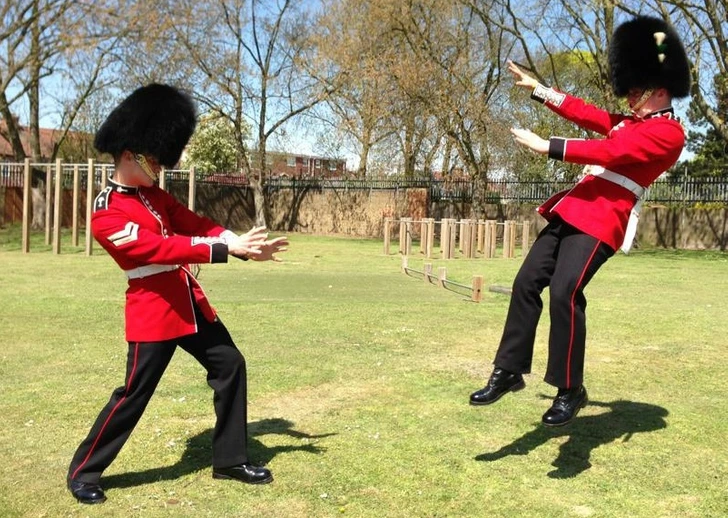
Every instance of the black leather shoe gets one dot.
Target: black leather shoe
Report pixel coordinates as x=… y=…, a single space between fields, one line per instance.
x=500 y=382
x=87 y=493
x=566 y=405
x=244 y=473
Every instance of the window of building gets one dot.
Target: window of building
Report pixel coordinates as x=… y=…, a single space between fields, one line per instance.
x=291 y=161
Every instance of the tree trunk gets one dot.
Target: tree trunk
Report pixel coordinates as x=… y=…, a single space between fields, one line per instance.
x=38 y=192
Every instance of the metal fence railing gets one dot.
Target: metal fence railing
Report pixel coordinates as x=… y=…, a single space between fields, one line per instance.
x=667 y=190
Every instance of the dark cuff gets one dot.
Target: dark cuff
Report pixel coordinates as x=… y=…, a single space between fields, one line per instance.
x=539 y=93
x=557 y=148
x=219 y=253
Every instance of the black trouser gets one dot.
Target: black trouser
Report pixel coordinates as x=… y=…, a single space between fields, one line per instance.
x=565 y=259
x=213 y=347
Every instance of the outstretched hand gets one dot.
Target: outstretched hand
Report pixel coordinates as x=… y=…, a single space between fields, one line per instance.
x=248 y=245
x=522 y=78
x=255 y=245
x=269 y=248
x=530 y=140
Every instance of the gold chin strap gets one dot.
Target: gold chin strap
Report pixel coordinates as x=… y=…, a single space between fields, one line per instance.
x=142 y=161
x=642 y=100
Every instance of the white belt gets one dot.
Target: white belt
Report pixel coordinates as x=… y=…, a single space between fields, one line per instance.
x=634 y=188
x=617 y=178
x=150 y=269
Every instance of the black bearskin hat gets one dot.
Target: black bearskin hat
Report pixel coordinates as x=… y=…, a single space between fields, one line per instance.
x=645 y=53
x=155 y=120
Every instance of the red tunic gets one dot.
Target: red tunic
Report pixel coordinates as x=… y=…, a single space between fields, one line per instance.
x=639 y=149
x=147 y=228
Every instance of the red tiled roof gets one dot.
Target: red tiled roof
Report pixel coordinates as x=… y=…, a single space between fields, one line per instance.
x=48 y=137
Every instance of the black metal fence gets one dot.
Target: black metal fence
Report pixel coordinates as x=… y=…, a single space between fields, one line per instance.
x=667 y=190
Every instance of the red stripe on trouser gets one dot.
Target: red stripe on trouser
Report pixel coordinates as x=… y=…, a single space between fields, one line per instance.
x=111 y=414
x=573 y=296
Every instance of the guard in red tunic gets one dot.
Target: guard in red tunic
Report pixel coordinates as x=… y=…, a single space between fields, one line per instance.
x=154 y=238
x=588 y=223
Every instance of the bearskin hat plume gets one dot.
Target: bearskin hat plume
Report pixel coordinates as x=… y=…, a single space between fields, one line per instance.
x=155 y=120
x=646 y=52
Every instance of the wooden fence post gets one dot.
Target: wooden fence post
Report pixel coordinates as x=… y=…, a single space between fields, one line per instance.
x=477 y=288
x=512 y=250
x=387 y=235
x=423 y=236
x=402 y=235
x=463 y=224
x=507 y=238
x=441 y=276
x=427 y=272
x=481 y=236
x=408 y=236
x=48 y=202
x=526 y=238
x=192 y=190
x=26 y=206
x=57 y=207
x=453 y=237
x=74 y=215
x=473 y=246
x=445 y=238
x=430 y=237
x=90 y=180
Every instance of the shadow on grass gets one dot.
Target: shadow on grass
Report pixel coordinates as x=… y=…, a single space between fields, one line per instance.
x=624 y=418
x=198 y=453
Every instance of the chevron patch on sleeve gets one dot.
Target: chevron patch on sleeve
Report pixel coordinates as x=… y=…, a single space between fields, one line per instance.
x=127 y=235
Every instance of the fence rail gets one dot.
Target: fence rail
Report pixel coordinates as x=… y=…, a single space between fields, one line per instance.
x=667 y=190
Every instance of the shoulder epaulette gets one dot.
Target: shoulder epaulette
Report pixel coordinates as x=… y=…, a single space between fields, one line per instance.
x=102 y=200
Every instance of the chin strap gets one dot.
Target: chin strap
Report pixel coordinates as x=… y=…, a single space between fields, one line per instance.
x=142 y=161
x=642 y=100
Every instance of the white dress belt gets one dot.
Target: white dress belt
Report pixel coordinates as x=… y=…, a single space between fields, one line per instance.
x=149 y=269
x=617 y=178
x=634 y=188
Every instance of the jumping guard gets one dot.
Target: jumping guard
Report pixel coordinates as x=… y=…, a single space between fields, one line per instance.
x=154 y=238
x=589 y=222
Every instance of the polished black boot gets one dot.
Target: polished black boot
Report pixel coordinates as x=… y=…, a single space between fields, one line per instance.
x=86 y=493
x=500 y=382
x=566 y=405
x=244 y=473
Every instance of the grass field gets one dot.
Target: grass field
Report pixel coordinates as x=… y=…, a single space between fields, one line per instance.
x=359 y=379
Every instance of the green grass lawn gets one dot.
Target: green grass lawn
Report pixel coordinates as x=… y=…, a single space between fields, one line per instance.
x=359 y=379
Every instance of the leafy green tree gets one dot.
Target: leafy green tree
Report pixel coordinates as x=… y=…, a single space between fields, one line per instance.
x=213 y=147
x=571 y=72
x=708 y=143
